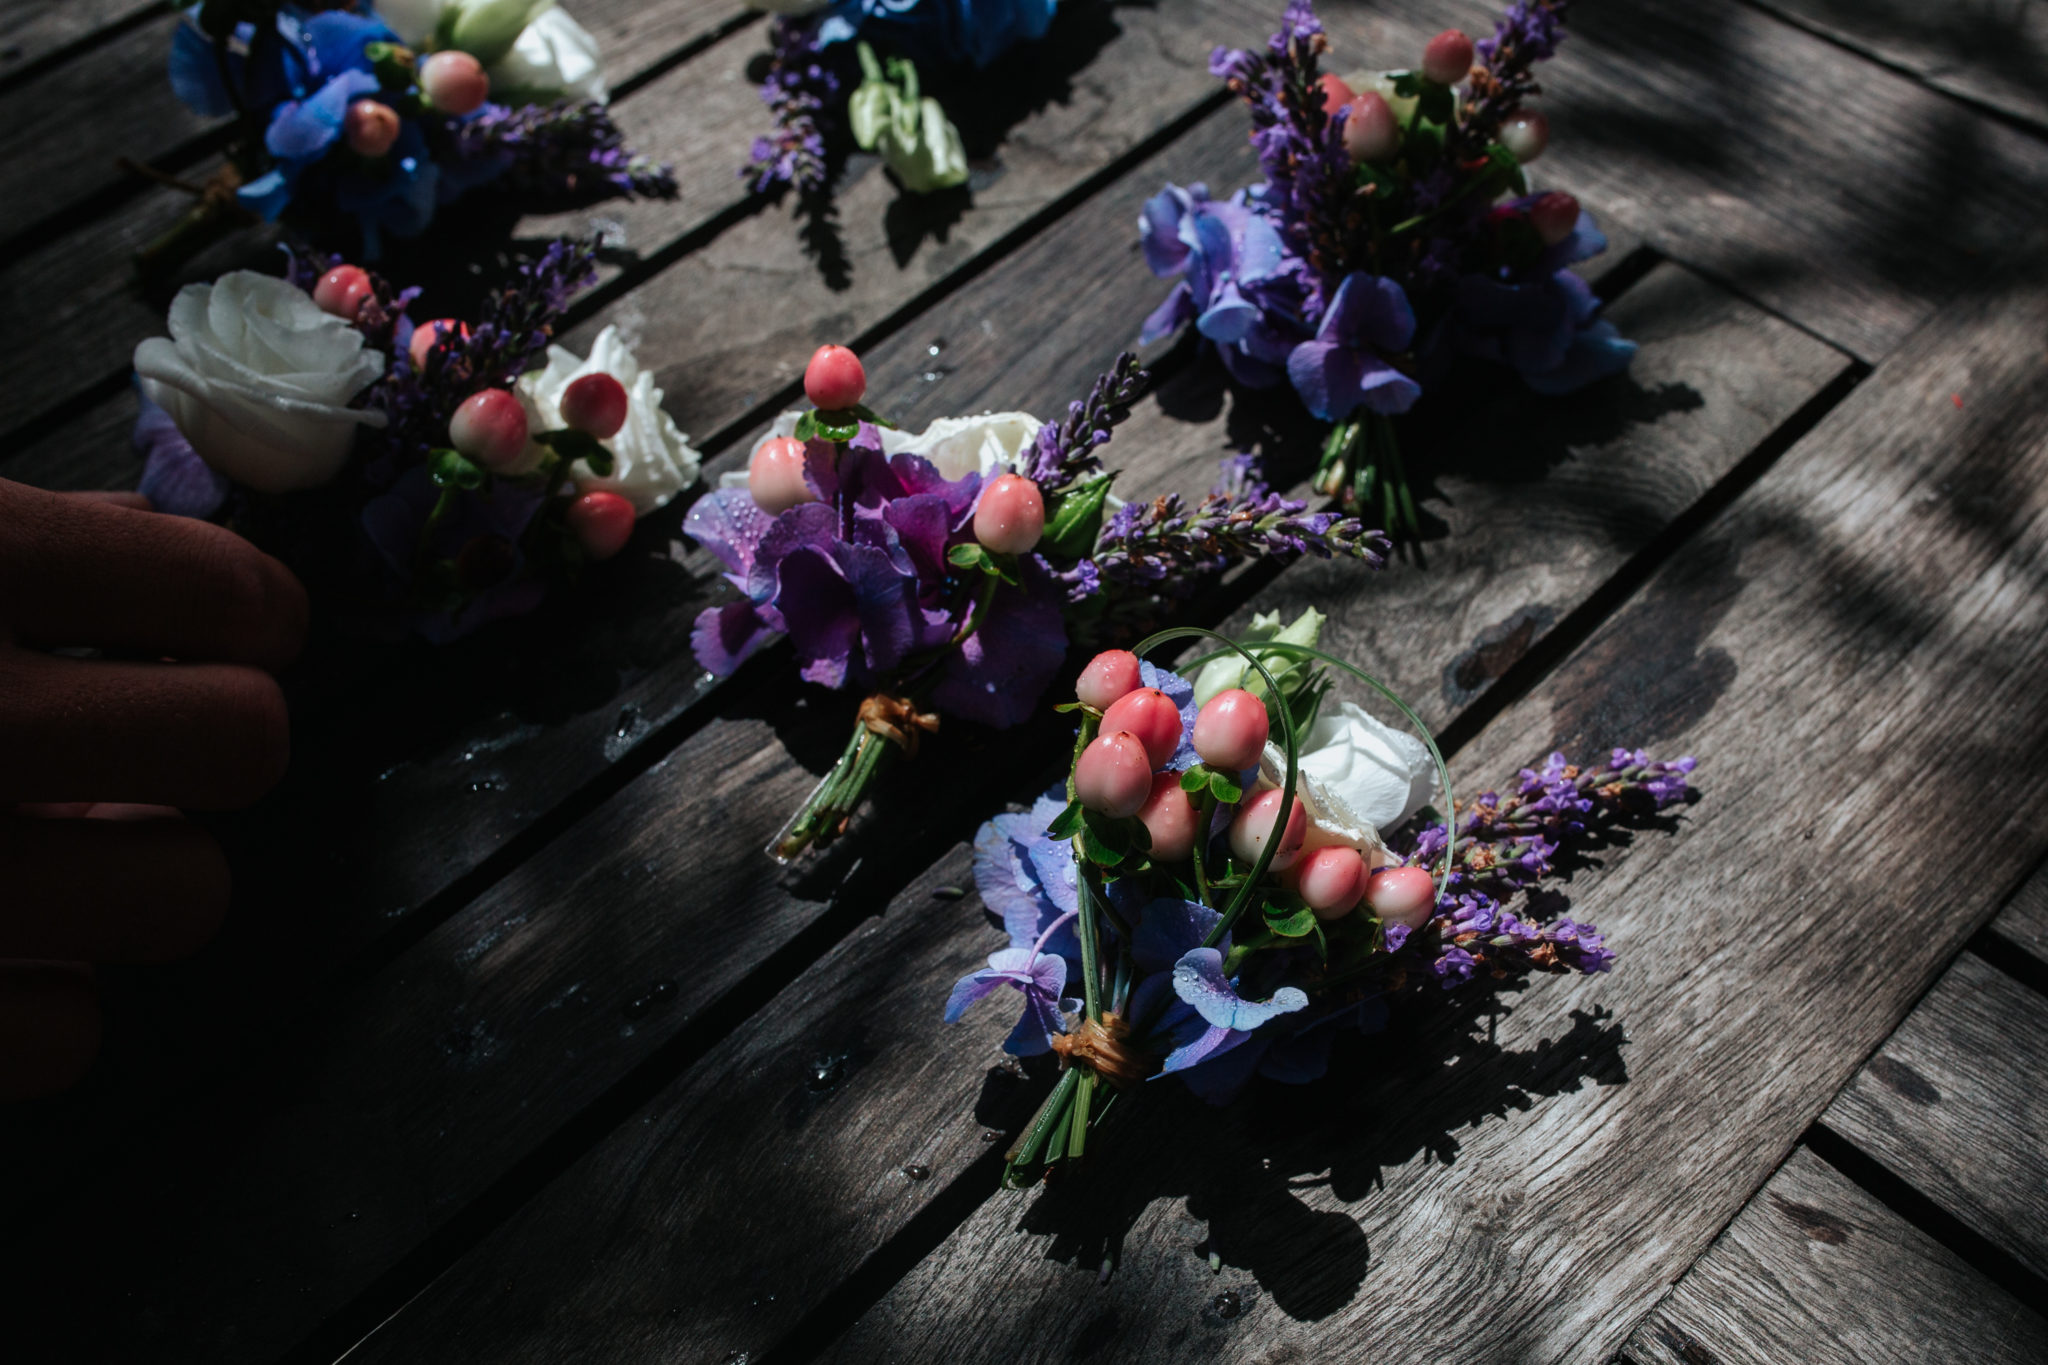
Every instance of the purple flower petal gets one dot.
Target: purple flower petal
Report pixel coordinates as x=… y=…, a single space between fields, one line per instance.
x=1199 y=981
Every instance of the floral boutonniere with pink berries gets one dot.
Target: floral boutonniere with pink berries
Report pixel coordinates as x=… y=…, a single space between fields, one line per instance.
x=1396 y=232
x=947 y=574
x=445 y=472
x=1240 y=869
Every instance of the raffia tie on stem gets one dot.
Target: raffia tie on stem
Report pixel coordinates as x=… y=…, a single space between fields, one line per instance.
x=898 y=720
x=1103 y=1048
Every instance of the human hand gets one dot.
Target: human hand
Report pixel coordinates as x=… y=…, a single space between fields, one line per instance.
x=99 y=755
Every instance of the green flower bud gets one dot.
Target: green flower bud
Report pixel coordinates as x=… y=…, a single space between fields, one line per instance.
x=1220 y=675
x=487 y=29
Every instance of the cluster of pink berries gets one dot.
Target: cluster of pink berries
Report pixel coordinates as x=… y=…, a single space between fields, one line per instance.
x=1009 y=518
x=490 y=426
x=1372 y=133
x=1122 y=774
x=452 y=82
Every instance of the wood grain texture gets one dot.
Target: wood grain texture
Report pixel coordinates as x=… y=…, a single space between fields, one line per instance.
x=1956 y=1104
x=1901 y=545
x=1765 y=156
x=1992 y=52
x=596 y=1260
x=1815 y=1270
x=33 y=31
x=2025 y=920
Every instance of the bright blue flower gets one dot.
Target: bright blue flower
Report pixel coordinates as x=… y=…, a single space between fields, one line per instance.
x=1343 y=368
x=938 y=33
x=1241 y=288
x=301 y=132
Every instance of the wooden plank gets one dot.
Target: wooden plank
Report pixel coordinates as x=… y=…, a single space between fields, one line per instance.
x=2024 y=921
x=1899 y=545
x=1990 y=52
x=610 y=1257
x=61 y=132
x=398 y=1151
x=37 y=31
x=1815 y=1270
x=1956 y=1102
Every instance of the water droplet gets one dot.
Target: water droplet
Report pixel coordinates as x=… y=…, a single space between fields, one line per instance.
x=1227 y=1304
x=637 y=1007
x=991 y=1135
x=827 y=1071
x=916 y=1172
x=948 y=893
x=663 y=991
x=935 y=347
x=487 y=784
x=734 y=1358
x=629 y=720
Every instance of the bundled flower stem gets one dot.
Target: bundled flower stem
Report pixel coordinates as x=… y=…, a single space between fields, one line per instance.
x=1395 y=231
x=946 y=574
x=1216 y=877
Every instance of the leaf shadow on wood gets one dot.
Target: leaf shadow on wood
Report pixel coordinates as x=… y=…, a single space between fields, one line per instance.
x=1390 y=1099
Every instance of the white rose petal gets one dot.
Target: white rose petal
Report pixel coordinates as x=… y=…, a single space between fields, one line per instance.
x=1357 y=777
x=554 y=58
x=413 y=21
x=959 y=446
x=652 y=461
x=258 y=379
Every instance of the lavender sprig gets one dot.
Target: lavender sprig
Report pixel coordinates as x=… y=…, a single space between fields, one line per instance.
x=566 y=148
x=1526 y=34
x=1162 y=547
x=803 y=90
x=1064 y=453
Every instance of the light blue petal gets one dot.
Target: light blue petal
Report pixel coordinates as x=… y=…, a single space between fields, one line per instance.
x=1199 y=981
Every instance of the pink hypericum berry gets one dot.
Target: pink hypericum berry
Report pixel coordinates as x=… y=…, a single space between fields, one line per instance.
x=428 y=335
x=834 y=380
x=1149 y=714
x=603 y=522
x=342 y=290
x=1332 y=880
x=1336 y=94
x=1254 y=825
x=1230 y=732
x=1553 y=215
x=1113 y=775
x=1370 y=132
x=370 y=127
x=1108 y=676
x=454 y=82
x=1526 y=135
x=1170 y=818
x=1448 y=58
x=1402 y=895
x=595 y=405
x=1010 y=517
x=490 y=428
x=775 y=476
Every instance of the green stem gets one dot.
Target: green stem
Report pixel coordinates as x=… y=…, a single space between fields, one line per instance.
x=1203 y=800
x=1091 y=983
x=1077 y=1139
x=443 y=505
x=838 y=796
x=1050 y=1117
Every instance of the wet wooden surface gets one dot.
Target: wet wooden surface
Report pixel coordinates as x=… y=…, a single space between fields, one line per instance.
x=515 y=1047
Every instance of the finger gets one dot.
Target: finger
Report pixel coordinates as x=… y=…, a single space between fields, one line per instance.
x=109 y=890
x=78 y=571
x=114 y=496
x=49 y=1027
x=196 y=736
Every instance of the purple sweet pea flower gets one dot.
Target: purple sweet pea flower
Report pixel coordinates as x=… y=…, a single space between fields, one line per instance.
x=174 y=479
x=1342 y=369
x=481 y=535
x=1548 y=330
x=1040 y=977
x=1241 y=289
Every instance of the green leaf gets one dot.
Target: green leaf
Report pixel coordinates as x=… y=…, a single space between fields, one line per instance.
x=1224 y=789
x=450 y=469
x=1298 y=923
x=1438 y=105
x=1066 y=822
x=827 y=426
x=868 y=414
x=573 y=445
x=1074 y=519
x=1194 y=779
x=969 y=555
x=1101 y=841
x=806 y=426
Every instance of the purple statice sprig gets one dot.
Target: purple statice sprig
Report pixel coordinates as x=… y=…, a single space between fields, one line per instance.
x=1163 y=548
x=1507 y=843
x=1065 y=452
x=569 y=148
x=1503 y=71
x=802 y=88
x=512 y=332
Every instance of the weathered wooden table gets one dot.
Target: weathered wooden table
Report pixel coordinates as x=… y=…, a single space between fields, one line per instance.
x=517 y=1049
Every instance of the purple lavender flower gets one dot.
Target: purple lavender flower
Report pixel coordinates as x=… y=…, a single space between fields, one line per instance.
x=1064 y=452
x=804 y=89
x=566 y=152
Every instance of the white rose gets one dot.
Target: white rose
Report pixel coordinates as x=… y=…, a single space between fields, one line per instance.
x=258 y=379
x=652 y=461
x=956 y=446
x=414 y=21
x=554 y=58
x=1357 y=776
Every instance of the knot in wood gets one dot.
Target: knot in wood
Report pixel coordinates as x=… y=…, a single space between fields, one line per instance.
x=1104 y=1049
x=898 y=720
